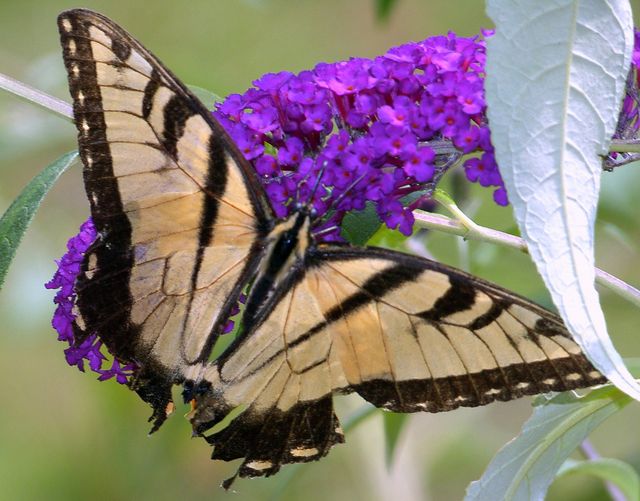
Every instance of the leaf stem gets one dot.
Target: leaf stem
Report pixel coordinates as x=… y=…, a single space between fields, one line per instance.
x=462 y=226
x=35 y=96
x=625 y=145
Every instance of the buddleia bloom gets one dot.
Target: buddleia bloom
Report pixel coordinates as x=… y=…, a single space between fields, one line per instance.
x=375 y=130
x=338 y=137
x=628 y=127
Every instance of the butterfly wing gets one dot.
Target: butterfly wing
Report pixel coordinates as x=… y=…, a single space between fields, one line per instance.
x=178 y=210
x=406 y=333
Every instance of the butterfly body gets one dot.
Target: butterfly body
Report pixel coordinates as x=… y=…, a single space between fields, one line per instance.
x=287 y=245
x=185 y=228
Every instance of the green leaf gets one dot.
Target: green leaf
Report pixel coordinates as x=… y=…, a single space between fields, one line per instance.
x=389 y=239
x=613 y=470
x=393 y=425
x=362 y=414
x=16 y=219
x=359 y=226
x=525 y=467
x=383 y=8
x=208 y=98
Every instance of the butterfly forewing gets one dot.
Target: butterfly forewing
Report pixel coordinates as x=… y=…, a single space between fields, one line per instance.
x=405 y=333
x=178 y=211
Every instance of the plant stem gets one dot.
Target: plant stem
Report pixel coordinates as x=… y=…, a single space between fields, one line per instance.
x=625 y=145
x=468 y=229
x=35 y=96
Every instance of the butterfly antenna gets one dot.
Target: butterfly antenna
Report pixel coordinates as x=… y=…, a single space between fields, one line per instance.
x=309 y=203
x=328 y=229
x=318 y=181
x=297 y=197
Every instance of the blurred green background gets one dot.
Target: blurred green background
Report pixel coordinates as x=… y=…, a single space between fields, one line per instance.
x=65 y=436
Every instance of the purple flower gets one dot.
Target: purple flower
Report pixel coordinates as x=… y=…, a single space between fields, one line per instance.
x=246 y=142
x=483 y=170
x=346 y=77
x=90 y=349
x=471 y=98
x=629 y=118
x=500 y=196
x=290 y=153
x=364 y=120
x=267 y=166
x=272 y=82
x=264 y=120
x=121 y=373
x=400 y=114
x=419 y=164
x=467 y=140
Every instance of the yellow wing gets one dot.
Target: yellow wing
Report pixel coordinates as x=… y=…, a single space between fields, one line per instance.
x=178 y=210
x=406 y=333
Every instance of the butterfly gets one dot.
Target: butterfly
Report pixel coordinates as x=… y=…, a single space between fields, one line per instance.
x=185 y=228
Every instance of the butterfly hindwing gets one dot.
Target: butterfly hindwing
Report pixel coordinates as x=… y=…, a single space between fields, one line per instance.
x=405 y=333
x=178 y=211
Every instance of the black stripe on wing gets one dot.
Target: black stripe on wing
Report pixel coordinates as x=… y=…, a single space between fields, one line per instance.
x=505 y=382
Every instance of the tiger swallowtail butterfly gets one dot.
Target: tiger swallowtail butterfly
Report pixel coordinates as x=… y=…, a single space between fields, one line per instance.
x=185 y=227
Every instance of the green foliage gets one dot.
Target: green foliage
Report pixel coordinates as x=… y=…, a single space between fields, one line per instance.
x=359 y=227
x=393 y=424
x=16 y=219
x=362 y=414
x=613 y=470
x=527 y=465
x=383 y=8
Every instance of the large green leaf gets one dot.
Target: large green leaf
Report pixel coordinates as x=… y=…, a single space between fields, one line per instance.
x=16 y=219
x=618 y=472
x=525 y=467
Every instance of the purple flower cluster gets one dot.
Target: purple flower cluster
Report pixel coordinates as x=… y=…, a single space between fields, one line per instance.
x=91 y=349
x=631 y=105
x=373 y=130
x=628 y=126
